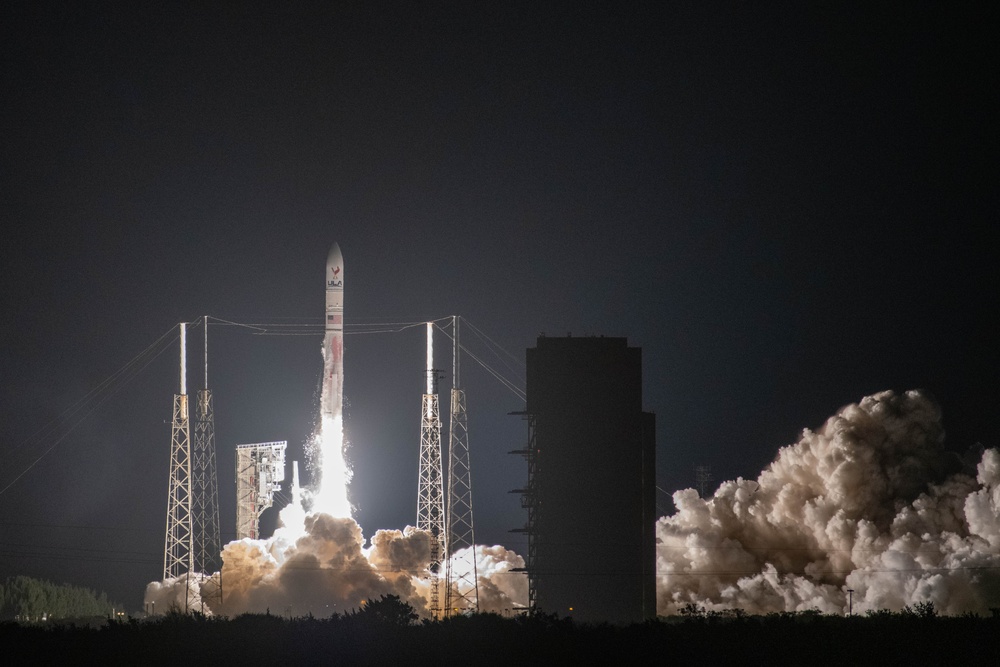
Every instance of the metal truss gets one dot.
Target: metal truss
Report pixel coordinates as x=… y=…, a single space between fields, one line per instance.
x=205 y=515
x=462 y=591
x=178 y=553
x=430 y=491
x=530 y=501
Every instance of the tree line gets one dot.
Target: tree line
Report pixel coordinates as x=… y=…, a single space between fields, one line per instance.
x=34 y=600
x=387 y=631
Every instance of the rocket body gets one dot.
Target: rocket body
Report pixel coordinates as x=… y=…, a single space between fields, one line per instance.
x=332 y=397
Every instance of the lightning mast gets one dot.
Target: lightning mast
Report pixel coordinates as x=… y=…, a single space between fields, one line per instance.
x=703 y=475
x=430 y=491
x=178 y=556
x=207 y=544
x=462 y=588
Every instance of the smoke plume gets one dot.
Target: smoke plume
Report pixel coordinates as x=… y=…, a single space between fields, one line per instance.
x=864 y=504
x=318 y=564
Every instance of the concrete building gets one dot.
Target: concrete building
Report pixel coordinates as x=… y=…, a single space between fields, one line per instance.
x=591 y=481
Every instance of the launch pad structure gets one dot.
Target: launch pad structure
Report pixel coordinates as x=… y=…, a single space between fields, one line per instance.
x=462 y=577
x=446 y=511
x=207 y=542
x=444 y=507
x=178 y=554
x=430 y=489
x=260 y=469
x=584 y=399
x=192 y=543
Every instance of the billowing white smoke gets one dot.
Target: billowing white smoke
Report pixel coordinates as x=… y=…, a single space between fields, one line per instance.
x=318 y=564
x=863 y=504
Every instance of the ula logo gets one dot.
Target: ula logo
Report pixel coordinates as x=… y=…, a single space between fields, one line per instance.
x=335 y=281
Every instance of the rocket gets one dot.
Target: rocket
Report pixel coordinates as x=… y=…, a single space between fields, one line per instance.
x=332 y=396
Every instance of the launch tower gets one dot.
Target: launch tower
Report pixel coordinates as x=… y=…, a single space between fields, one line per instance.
x=260 y=469
x=430 y=490
x=205 y=524
x=178 y=556
x=462 y=588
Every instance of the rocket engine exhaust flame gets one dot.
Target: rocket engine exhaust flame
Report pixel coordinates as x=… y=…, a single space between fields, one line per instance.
x=862 y=504
x=330 y=494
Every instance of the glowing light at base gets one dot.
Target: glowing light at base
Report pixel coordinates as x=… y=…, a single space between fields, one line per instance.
x=330 y=494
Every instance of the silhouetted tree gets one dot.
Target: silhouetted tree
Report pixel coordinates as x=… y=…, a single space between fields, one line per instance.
x=387 y=610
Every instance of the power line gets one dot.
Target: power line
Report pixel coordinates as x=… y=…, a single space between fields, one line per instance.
x=513 y=387
x=94 y=399
x=79 y=411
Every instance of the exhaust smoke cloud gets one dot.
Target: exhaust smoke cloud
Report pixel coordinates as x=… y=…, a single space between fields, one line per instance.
x=865 y=503
x=317 y=561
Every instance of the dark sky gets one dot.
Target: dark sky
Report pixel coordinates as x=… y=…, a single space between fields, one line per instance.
x=786 y=208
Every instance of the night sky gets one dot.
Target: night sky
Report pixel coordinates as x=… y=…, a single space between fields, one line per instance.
x=786 y=208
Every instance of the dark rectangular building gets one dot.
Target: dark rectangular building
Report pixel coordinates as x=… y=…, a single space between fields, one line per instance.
x=591 y=490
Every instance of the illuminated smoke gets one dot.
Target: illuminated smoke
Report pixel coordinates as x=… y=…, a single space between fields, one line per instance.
x=864 y=503
x=501 y=588
x=322 y=567
x=316 y=562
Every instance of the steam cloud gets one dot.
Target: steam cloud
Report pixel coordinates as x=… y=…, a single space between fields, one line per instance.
x=864 y=503
x=318 y=564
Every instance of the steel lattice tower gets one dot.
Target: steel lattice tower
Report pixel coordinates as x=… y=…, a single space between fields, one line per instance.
x=207 y=543
x=462 y=588
x=430 y=491
x=178 y=553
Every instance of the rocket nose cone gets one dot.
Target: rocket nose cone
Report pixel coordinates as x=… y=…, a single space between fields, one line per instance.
x=335 y=269
x=335 y=257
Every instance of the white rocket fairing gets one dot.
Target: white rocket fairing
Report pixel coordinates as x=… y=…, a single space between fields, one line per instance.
x=333 y=342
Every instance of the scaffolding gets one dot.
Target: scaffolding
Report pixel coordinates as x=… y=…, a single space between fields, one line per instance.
x=530 y=502
x=260 y=469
